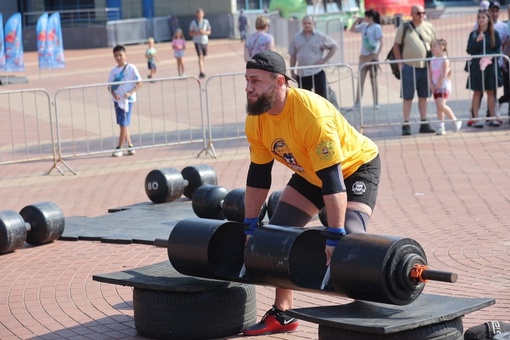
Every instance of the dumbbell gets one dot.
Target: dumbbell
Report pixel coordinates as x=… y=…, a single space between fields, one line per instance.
x=166 y=185
x=36 y=224
x=216 y=202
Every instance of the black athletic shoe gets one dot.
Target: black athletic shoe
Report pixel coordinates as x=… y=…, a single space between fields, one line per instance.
x=406 y=130
x=425 y=128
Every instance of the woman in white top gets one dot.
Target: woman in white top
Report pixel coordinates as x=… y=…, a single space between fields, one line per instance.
x=370 y=27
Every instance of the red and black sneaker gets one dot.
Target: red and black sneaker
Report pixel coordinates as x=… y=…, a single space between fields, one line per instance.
x=274 y=321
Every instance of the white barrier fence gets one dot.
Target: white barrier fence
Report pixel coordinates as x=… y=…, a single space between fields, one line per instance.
x=26 y=132
x=389 y=114
x=168 y=111
x=175 y=111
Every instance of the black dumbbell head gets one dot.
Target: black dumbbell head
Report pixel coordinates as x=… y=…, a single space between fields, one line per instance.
x=13 y=231
x=164 y=185
x=197 y=176
x=272 y=202
x=207 y=201
x=46 y=221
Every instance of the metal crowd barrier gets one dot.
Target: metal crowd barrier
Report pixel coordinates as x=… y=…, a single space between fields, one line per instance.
x=181 y=110
x=168 y=111
x=27 y=129
x=389 y=114
x=225 y=99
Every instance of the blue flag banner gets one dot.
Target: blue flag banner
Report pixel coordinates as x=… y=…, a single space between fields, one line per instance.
x=54 y=44
x=14 y=44
x=41 y=40
x=2 y=49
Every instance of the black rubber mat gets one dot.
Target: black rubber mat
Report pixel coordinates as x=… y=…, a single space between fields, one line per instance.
x=138 y=223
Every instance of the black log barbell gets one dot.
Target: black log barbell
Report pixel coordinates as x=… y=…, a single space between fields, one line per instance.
x=216 y=202
x=35 y=224
x=379 y=268
x=168 y=184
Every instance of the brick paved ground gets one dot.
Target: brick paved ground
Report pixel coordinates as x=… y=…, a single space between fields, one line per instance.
x=449 y=193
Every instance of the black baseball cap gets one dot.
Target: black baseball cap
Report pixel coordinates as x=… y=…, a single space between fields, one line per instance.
x=495 y=4
x=268 y=61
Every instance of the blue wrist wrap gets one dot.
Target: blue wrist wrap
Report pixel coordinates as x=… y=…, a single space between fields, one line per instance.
x=332 y=242
x=250 y=225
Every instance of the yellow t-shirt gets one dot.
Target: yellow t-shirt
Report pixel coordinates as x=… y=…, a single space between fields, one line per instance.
x=307 y=136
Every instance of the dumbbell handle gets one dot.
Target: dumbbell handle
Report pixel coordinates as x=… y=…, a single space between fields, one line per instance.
x=422 y=273
x=28 y=226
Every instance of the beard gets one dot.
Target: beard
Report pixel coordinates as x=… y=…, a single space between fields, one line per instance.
x=263 y=104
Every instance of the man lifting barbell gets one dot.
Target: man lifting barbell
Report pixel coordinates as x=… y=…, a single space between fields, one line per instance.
x=334 y=166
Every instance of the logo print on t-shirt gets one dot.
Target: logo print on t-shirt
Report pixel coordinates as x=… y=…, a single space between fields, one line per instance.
x=281 y=149
x=325 y=150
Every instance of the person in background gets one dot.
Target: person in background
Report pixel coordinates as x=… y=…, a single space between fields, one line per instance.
x=179 y=45
x=334 y=166
x=260 y=40
x=501 y=27
x=123 y=95
x=505 y=69
x=152 y=57
x=173 y=24
x=371 y=46
x=242 y=25
x=483 y=72
x=308 y=48
x=441 y=86
x=200 y=30
x=418 y=39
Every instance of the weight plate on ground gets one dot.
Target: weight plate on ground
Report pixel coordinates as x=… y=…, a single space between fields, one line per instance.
x=164 y=185
x=13 y=231
x=272 y=202
x=197 y=176
x=207 y=201
x=46 y=221
x=233 y=206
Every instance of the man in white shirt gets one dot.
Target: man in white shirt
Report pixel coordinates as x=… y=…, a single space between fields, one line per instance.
x=200 y=29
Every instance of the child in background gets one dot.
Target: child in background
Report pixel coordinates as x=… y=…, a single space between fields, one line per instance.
x=152 y=58
x=179 y=45
x=440 y=85
x=123 y=95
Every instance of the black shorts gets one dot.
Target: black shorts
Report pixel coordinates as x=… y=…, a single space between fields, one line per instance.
x=361 y=186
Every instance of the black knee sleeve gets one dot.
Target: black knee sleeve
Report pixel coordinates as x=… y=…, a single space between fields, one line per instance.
x=356 y=221
x=289 y=215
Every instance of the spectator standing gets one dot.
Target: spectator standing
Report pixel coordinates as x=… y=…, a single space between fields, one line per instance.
x=306 y=49
x=505 y=69
x=179 y=45
x=173 y=24
x=124 y=95
x=260 y=40
x=242 y=25
x=334 y=166
x=371 y=46
x=483 y=72
x=152 y=57
x=200 y=29
x=441 y=86
x=501 y=27
x=414 y=74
